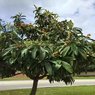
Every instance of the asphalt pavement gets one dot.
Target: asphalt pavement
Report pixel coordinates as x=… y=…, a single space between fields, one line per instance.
x=26 y=84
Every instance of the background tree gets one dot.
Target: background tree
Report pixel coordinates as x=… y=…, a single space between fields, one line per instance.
x=7 y=38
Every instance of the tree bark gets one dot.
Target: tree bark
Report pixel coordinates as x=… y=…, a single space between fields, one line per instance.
x=34 y=88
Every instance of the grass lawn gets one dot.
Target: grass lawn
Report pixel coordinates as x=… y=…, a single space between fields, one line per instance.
x=81 y=90
x=89 y=77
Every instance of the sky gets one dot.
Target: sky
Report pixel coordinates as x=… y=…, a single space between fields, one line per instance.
x=81 y=12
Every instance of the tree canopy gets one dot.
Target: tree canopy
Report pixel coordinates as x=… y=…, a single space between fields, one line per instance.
x=47 y=48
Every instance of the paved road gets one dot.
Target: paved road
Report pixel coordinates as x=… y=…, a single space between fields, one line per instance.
x=25 y=84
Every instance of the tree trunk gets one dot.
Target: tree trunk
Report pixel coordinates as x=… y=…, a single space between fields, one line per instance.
x=34 y=88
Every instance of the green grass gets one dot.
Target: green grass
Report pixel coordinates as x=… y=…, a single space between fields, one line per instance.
x=89 y=77
x=80 y=90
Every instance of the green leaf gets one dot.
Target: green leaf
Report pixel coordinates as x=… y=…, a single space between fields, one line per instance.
x=8 y=50
x=48 y=68
x=60 y=48
x=70 y=24
x=83 y=53
x=74 y=49
x=67 y=67
x=12 y=60
x=42 y=53
x=34 y=52
x=65 y=50
x=87 y=49
x=24 y=52
x=67 y=58
x=57 y=64
x=77 y=30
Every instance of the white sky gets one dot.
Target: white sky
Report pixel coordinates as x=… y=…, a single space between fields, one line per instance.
x=82 y=12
